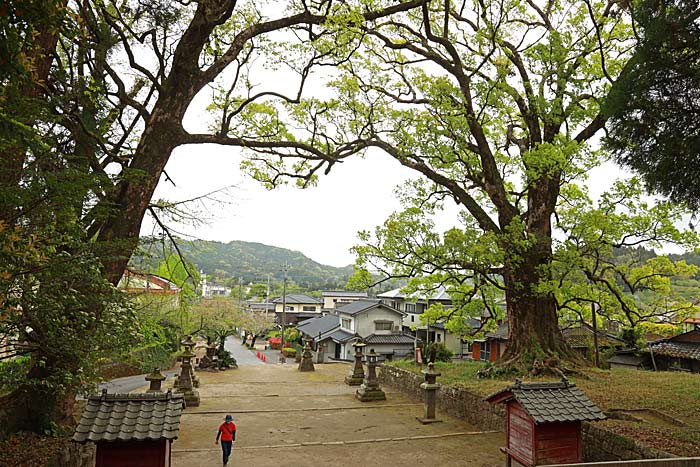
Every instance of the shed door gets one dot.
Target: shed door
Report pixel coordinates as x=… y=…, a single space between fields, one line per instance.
x=337 y=351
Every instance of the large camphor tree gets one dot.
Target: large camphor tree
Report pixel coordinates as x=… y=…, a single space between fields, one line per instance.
x=496 y=104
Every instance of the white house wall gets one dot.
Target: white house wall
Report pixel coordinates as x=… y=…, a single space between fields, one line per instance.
x=364 y=322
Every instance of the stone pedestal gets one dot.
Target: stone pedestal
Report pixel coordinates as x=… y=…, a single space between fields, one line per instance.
x=307 y=358
x=188 y=343
x=430 y=389
x=357 y=375
x=369 y=390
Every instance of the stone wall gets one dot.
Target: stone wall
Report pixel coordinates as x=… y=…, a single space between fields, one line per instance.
x=598 y=444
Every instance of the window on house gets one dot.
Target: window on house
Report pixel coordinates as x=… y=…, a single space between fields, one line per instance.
x=346 y=323
x=290 y=308
x=413 y=319
x=383 y=325
x=420 y=307
x=309 y=308
x=485 y=351
x=439 y=337
x=410 y=308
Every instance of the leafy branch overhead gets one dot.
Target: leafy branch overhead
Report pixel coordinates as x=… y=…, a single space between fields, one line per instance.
x=495 y=105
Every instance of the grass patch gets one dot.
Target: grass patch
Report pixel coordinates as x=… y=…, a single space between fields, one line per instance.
x=673 y=393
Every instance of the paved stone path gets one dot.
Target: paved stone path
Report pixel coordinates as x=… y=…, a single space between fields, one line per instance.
x=287 y=418
x=242 y=355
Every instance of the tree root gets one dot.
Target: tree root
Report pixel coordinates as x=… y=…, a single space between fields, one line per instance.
x=519 y=366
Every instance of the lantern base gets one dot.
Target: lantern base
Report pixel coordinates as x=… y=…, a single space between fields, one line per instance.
x=428 y=421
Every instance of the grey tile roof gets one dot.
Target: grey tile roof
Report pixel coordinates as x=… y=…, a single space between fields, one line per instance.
x=313 y=326
x=130 y=417
x=342 y=336
x=550 y=402
x=299 y=298
x=343 y=293
x=501 y=332
x=389 y=339
x=582 y=336
x=688 y=350
x=359 y=306
x=440 y=294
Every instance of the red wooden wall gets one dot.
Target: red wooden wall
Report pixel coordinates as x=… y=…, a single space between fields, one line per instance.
x=132 y=454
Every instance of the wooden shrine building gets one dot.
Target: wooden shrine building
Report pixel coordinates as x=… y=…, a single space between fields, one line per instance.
x=543 y=422
x=134 y=430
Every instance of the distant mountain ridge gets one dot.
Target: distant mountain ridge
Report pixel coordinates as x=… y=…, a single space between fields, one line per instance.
x=252 y=262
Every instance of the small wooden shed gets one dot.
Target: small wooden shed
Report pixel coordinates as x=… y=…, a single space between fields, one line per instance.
x=134 y=430
x=543 y=422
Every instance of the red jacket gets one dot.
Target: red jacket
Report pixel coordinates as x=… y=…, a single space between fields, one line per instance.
x=228 y=431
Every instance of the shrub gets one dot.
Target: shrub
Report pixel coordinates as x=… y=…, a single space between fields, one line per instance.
x=289 y=352
x=442 y=353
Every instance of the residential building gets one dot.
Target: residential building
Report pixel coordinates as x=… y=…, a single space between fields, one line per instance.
x=299 y=307
x=580 y=339
x=211 y=289
x=692 y=322
x=333 y=299
x=579 y=336
x=136 y=283
x=681 y=353
x=375 y=323
x=413 y=306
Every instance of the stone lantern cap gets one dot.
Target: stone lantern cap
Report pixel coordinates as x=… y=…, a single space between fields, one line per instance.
x=156 y=375
x=359 y=345
x=187 y=341
x=431 y=373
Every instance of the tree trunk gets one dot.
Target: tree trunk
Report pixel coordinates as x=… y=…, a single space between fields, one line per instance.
x=534 y=337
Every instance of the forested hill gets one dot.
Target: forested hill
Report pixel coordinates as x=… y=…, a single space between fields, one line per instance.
x=253 y=262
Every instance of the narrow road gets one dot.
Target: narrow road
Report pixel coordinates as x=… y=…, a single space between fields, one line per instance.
x=129 y=383
x=242 y=355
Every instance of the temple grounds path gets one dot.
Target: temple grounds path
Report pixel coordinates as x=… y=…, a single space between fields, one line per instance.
x=285 y=417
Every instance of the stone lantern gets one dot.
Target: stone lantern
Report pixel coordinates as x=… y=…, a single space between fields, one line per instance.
x=430 y=388
x=307 y=361
x=357 y=375
x=369 y=390
x=155 y=379
x=189 y=344
x=185 y=383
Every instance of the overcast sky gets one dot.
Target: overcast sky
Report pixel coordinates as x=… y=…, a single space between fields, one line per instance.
x=322 y=222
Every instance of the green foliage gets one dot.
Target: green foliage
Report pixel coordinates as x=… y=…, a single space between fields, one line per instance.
x=289 y=352
x=442 y=353
x=654 y=109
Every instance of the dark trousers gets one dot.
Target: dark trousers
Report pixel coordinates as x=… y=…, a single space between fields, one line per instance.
x=226 y=448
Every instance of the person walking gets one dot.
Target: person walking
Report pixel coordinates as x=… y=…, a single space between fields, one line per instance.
x=227 y=433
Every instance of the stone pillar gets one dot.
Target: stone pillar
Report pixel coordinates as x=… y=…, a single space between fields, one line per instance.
x=155 y=379
x=369 y=390
x=185 y=383
x=430 y=388
x=357 y=375
x=307 y=358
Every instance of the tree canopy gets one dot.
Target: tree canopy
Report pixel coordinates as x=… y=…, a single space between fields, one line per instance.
x=654 y=109
x=495 y=105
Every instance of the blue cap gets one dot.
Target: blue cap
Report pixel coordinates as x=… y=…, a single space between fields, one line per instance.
x=228 y=418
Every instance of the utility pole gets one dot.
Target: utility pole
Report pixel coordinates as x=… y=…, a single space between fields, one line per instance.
x=284 y=304
x=594 y=322
x=267 y=294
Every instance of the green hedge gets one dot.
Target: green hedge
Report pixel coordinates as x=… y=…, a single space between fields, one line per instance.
x=289 y=352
